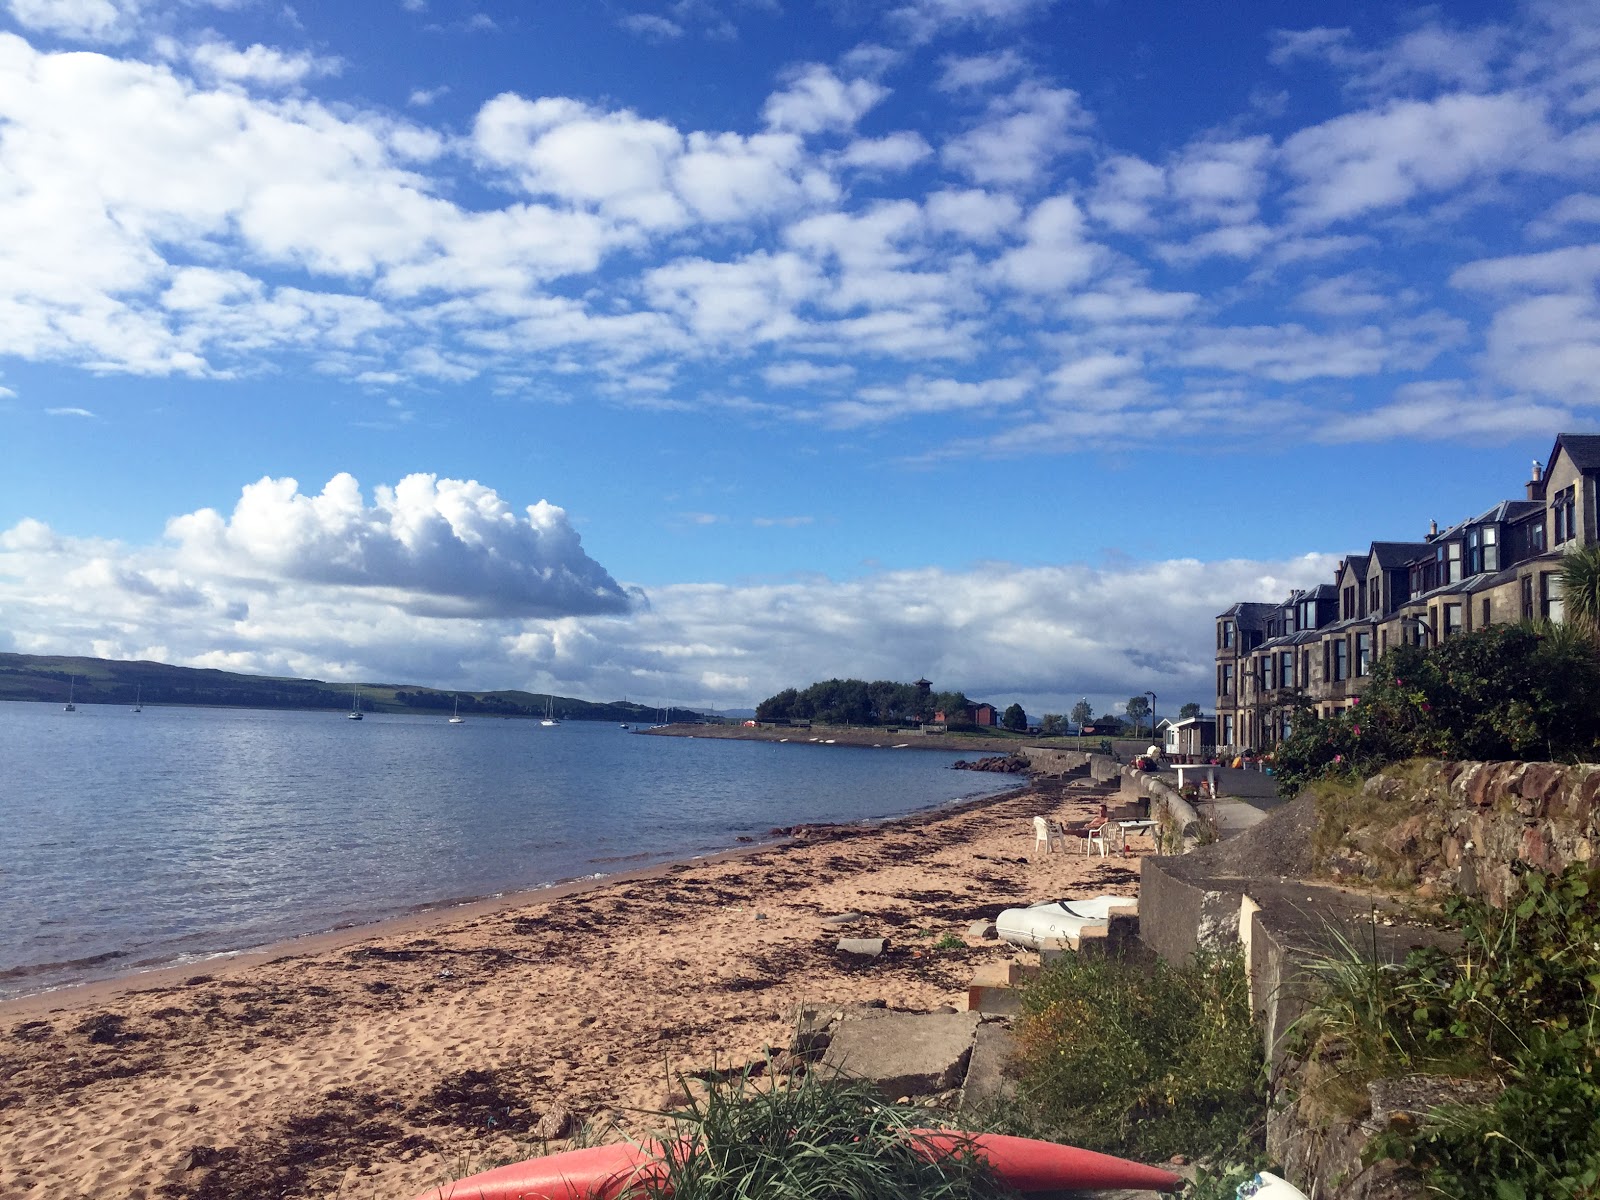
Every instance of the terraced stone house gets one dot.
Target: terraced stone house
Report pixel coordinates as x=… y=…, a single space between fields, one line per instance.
x=1496 y=568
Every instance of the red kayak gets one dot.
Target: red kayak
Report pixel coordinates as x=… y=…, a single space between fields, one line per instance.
x=613 y=1172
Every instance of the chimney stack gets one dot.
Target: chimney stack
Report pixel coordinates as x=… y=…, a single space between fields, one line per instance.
x=1433 y=530
x=1536 y=484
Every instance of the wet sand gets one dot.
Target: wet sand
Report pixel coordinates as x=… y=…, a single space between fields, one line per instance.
x=380 y=1061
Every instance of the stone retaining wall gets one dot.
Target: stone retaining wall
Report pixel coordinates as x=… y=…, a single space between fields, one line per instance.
x=1465 y=826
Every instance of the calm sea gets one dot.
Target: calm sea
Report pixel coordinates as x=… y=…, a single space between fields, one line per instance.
x=131 y=840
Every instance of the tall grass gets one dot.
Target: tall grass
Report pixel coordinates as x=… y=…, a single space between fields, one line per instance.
x=810 y=1138
x=1144 y=1062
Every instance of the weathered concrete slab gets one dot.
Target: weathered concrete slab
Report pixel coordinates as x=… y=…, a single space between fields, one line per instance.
x=983 y=929
x=841 y=919
x=904 y=1054
x=989 y=1080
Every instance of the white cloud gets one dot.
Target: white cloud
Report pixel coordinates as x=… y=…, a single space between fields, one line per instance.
x=1432 y=54
x=88 y=20
x=799 y=374
x=980 y=70
x=435 y=546
x=974 y=215
x=651 y=26
x=1058 y=255
x=918 y=395
x=1441 y=411
x=895 y=152
x=1294 y=354
x=1029 y=632
x=1221 y=181
x=1382 y=158
x=221 y=60
x=816 y=100
x=423 y=97
x=1582 y=208
x=1125 y=192
x=1351 y=295
x=922 y=19
x=61 y=412
x=1020 y=135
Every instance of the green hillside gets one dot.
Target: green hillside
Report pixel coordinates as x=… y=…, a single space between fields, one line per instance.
x=106 y=681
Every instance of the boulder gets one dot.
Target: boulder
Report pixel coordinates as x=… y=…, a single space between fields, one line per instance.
x=865 y=947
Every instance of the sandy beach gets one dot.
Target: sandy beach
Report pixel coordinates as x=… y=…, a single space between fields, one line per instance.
x=384 y=1060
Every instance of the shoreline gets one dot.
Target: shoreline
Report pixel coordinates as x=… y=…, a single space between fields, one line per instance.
x=383 y=1062
x=419 y=919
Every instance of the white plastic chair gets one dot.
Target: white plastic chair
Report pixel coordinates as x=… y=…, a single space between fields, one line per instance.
x=1047 y=835
x=1094 y=836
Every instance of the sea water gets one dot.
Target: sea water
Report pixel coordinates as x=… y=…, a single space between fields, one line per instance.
x=130 y=840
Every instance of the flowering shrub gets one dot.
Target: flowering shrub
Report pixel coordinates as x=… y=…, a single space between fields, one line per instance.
x=1506 y=692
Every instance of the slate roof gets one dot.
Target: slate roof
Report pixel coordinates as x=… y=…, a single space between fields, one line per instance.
x=1250 y=614
x=1394 y=555
x=1582 y=448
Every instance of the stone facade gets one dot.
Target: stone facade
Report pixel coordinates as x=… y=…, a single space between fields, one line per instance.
x=1319 y=644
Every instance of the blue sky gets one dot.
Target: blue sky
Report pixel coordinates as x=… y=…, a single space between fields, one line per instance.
x=688 y=351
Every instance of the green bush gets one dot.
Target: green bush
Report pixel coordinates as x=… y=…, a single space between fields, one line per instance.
x=1518 y=1003
x=1143 y=1062
x=1505 y=692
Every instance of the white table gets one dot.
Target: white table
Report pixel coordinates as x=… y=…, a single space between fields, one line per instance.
x=1210 y=776
x=1132 y=826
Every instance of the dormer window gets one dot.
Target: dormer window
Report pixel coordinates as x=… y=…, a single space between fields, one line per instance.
x=1483 y=549
x=1563 y=513
x=1225 y=635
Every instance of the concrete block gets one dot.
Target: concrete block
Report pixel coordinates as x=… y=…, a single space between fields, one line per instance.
x=994 y=1001
x=988 y=1077
x=983 y=929
x=904 y=1054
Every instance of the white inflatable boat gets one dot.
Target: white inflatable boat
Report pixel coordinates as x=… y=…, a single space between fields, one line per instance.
x=1058 y=921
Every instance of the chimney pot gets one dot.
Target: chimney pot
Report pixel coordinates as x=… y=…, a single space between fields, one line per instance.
x=1433 y=529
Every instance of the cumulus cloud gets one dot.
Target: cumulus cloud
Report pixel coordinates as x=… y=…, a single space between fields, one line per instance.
x=970 y=219
x=816 y=99
x=439 y=546
x=1019 y=137
x=221 y=60
x=1044 y=635
x=1382 y=158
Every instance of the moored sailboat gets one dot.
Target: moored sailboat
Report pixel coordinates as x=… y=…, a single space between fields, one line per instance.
x=455 y=717
x=355 y=703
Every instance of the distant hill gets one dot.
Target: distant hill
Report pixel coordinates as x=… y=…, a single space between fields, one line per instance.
x=107 y=681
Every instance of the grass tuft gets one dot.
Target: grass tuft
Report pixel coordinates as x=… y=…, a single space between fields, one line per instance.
x=809 y=1138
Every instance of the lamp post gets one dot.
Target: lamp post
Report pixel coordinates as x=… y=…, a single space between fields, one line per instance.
x=1152 y=696
x=1085 y=702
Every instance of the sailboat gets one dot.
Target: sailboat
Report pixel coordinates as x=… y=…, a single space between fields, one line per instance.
x=456 y=718
x=138 y=695
x=355 y=703
x=72 y=683
x=549 y=712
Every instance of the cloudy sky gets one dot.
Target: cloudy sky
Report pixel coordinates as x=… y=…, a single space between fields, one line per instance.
x=685 y=351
